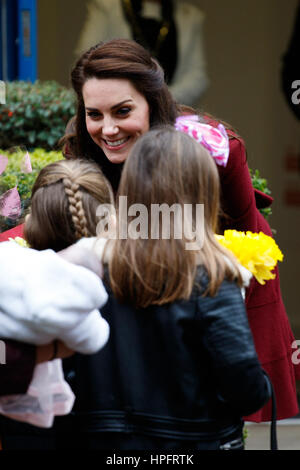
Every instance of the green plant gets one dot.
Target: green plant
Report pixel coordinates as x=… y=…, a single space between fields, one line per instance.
x=15 y=176
x=35 y=114
x=261 y=184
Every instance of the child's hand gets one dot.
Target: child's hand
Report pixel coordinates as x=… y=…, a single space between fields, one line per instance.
x=83 y=257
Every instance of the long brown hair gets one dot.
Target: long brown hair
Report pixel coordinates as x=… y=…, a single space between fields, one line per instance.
x=167 y=166
x=64 y=201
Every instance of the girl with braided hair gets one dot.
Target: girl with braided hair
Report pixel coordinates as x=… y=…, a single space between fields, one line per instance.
x=64 y=202
x=65 y=198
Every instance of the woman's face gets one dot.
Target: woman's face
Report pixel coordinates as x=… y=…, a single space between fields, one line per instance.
x=116 y=115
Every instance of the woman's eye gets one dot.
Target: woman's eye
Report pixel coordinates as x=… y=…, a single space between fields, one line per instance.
x=93 y=114
x=124 y=111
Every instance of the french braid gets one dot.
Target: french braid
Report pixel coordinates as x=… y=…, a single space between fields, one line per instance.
x=76 y=208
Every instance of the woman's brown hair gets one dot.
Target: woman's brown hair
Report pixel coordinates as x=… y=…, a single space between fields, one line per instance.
x=64 y=202
x=167 y=166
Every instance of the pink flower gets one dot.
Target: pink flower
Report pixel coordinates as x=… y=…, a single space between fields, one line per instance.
x=214 y=139
x=10 y=203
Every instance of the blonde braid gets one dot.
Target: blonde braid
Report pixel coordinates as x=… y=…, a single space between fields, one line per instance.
x=76 y=208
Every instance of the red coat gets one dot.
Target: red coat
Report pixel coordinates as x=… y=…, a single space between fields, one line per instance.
x=12 y=233
x=266 y=313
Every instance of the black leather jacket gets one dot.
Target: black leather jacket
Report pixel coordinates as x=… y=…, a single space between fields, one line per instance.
x=186 y=370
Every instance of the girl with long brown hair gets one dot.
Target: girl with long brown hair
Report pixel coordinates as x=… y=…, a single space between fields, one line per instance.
x=64 y=202
x=168 y=169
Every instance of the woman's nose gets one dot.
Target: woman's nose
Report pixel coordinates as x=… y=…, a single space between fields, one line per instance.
x=109 y=127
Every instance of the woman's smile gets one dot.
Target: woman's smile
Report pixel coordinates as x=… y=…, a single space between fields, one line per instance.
x=116 y=144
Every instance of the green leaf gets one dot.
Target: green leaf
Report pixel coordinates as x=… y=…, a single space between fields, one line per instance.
x=262 y=185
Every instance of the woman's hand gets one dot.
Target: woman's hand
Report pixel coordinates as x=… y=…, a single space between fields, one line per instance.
x=48 y=352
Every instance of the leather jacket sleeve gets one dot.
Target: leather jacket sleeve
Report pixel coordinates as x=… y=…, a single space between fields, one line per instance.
x=228 y=340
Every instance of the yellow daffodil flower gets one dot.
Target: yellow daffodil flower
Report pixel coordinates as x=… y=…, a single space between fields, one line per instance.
x=257 y=252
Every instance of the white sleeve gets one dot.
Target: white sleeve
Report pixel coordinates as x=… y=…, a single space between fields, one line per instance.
x=94 y=244
x=88 y=336
x=43 y=297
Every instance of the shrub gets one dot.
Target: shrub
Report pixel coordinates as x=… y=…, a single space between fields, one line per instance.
x=261 y=183
x=14 y=176
x=35 y=114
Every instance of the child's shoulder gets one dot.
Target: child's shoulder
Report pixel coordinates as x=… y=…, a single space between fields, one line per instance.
x=96 y=245
x=202 y=279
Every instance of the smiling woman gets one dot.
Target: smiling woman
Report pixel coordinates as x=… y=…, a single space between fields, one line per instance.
x=121 y=93
x=116 y=115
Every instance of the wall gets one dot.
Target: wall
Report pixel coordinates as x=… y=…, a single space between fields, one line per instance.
x=245 y=41
x=58 y=24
